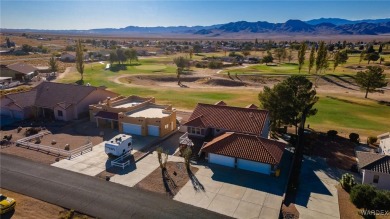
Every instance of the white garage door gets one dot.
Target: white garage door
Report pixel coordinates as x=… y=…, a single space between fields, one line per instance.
x=221 y=160
x=129 y=128
x=253 y=166
x=153 y=130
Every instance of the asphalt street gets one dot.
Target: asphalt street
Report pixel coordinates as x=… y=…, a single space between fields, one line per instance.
x=90 y=195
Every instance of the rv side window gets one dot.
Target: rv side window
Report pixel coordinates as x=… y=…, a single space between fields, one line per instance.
x=129 y=144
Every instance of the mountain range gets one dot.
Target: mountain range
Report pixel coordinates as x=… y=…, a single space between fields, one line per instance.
x=322 y=26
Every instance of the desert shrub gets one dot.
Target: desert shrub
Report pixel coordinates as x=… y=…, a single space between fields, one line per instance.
x=332 y=133
x=371 y=139
x=347 y=181
x=362 y=195
x=386 y=63
x=32 y=131
x=19 y=129
x=354 y=137
x=67 y=147
x=37 y=141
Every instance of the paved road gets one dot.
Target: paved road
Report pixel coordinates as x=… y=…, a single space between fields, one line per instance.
x=90 y=195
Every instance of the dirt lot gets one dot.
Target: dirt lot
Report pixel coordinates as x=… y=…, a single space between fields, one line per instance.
x=169 y=183
x=347 y=209
x=27 y=207
x=76 y=134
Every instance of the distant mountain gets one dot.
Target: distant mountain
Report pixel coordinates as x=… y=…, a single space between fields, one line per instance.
x=322 y=26
x=339 y=21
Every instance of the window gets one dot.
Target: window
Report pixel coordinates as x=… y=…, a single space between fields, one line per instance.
x=59 y=113
x=166 y=126
x=376 y=179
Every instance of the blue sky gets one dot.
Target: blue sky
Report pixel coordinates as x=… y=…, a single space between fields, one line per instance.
x=76 y=14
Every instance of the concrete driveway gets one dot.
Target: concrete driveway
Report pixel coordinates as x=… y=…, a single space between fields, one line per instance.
x=236 y=193
x=96 y=161
x=317 y=195
x=136 y=172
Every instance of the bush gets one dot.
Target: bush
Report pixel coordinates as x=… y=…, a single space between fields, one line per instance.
x=332 y=133
x=372 y=139
x=362 y=195
x=67 y=147
x=354 y=137
x=215 y=64
x=386 y=63
x=347 y=181
x=381 y=201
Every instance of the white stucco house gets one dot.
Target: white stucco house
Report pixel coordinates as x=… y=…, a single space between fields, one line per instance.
x=375 y=169
x=384 y=143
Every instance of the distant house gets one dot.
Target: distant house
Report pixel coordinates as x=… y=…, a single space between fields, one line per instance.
x=384 y=143
x=71 y=56
x=375 y=169
x=18 y=71
x=68 y=57
x=134 y=115
x=236 y=137
x=53 y=100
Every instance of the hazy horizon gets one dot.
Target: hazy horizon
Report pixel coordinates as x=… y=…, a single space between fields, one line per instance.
x=83 y=15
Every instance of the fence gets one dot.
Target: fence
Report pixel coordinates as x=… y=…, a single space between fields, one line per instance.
x=119 y=161
x=61 y=152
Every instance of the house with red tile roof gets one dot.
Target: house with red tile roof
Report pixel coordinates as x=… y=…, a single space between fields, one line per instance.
x=53 y=100
x=237 y=137
x=213 y=120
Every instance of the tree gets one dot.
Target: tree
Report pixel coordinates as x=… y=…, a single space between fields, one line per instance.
x=371 y=79
x=53 y=64
x=113 y=57
x=312 y=58
x=362 y=194
x=380 y=49
x=289 y=101
x=301 y=56
x=191 y=52
x=279 y=53
x=187 y=153
x=290 y=56
x=268 y=58
x=370 y=49
x=321 y=60
x=181 y=63
x=343 y=56
x=372 y=57
x=80 y=59
x=336 y=60
x=121 y=55
x=361 y=57
x=162 y=160
x=197 y=48
x=131 y=54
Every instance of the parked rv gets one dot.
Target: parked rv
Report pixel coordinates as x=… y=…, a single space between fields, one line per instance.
x=119 y=145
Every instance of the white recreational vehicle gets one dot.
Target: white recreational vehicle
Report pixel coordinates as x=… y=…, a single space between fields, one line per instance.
x=118 y=145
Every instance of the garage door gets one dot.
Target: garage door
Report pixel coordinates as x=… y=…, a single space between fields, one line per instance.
x=221 y=160
x=253 y=166
x=18 y=115
x=153 y=130
x=129 y=128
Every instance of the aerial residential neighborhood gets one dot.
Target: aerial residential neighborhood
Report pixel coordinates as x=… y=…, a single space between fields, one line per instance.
x=192 y=109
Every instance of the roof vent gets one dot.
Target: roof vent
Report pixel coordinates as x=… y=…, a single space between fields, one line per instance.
x=251 y=115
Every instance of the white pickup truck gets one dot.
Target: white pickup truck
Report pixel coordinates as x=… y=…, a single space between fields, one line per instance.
x=118 y=145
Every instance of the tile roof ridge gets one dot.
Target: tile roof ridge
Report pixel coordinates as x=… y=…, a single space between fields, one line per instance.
x=260 y=139
x=236 y=107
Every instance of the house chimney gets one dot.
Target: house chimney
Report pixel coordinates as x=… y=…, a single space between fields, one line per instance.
x=108 y=101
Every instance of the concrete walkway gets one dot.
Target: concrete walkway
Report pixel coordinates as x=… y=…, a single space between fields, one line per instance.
x=317 y=195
